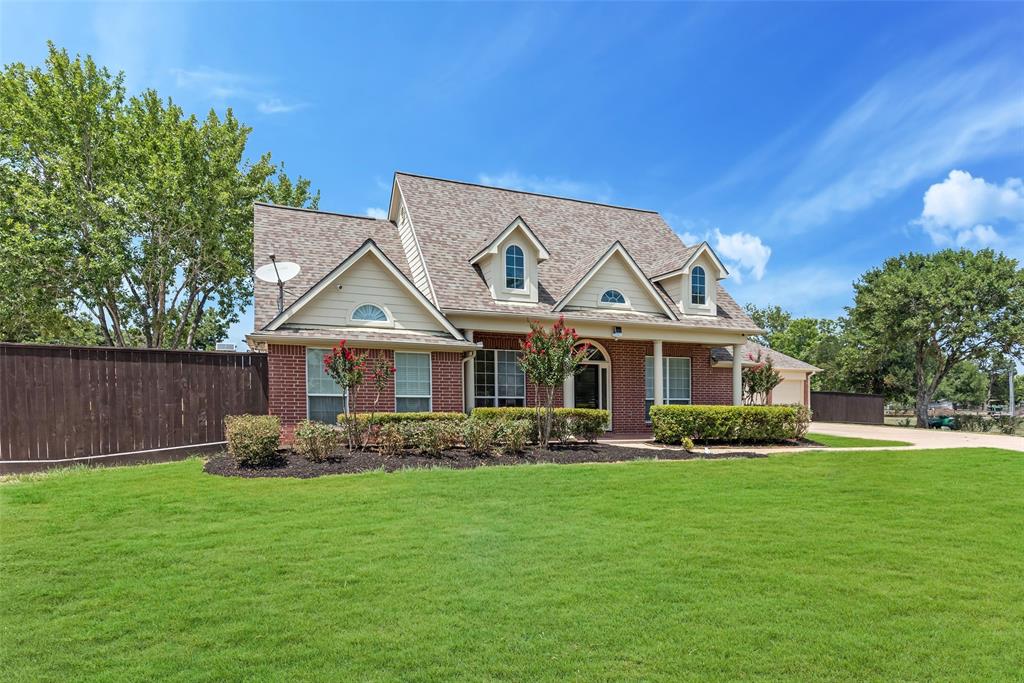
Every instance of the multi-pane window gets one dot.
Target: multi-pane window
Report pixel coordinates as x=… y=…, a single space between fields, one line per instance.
x=498 y=379
x=698 y=288
x=614 y=297
x=675 y=382
x=515 y=268
x=370 y=313
x=412 y=382
x=325 y=400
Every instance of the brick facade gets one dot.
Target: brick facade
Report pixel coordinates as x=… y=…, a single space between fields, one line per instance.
x=287 y=374
x=708 y=385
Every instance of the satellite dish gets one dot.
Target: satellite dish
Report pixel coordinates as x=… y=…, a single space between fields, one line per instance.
x=278 y=272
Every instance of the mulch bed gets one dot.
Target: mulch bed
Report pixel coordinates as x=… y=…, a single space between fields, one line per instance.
x=294 y=465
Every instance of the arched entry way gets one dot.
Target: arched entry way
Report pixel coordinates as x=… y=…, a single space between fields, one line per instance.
x=592 y=386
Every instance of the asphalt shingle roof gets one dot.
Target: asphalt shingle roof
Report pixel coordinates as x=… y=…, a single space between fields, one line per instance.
x=780 y=360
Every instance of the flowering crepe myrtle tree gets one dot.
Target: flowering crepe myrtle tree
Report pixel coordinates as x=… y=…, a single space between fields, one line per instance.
x=348 y=369
x=550 y=357
x=381 y=374
x=760 y=379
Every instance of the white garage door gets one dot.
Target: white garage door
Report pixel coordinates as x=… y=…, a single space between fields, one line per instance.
x=790 y=391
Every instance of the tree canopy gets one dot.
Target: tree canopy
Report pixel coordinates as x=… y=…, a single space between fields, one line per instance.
x=124 y=220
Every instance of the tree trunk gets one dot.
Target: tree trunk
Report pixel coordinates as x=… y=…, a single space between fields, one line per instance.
x=923 y=397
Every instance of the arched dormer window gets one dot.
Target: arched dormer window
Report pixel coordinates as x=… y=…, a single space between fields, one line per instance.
x=370 y=313
x=613 y=297
x=515 y=268
x=698 y=287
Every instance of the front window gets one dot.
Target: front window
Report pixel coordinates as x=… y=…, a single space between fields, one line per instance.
x=613 y=297
x=498 y=379
x=698 y=288
x=370 y=313
x=325 y=400
x=515 y=268
x=675 y=382
x=412 y=382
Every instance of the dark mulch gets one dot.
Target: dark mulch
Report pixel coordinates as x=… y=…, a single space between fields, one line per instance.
x=294 y=465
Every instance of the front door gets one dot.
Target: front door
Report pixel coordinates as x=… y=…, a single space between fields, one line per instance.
x=586 y=388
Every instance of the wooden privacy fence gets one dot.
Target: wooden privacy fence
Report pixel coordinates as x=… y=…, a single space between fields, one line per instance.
x=60 y=404
x=834 y=406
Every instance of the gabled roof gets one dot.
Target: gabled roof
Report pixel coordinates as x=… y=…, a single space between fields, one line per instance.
x=453 y=219
x=518 y=224
x=723 y=356
x=616 y=248
x=695 y=253
x=368 y=249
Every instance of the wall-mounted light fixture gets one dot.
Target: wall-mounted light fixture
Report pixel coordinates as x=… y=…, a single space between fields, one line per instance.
x=616 y=332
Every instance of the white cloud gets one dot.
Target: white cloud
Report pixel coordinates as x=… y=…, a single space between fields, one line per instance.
x=961 y=103
x=561 y=187
x=962 y=209
x=230 y=87
x=743 y=253
x=377 y=212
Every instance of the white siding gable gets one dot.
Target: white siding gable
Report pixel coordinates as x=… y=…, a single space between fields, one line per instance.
x=616 y=274
x=412 y=250
x=367 y=281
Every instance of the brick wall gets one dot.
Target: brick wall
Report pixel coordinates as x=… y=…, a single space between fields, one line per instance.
x=446 y=381
x=286 y=375
x=364 y=397
x=708 y=385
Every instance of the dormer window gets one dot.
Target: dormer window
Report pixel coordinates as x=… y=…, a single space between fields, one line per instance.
x=698 y=291
x=515 y=268
x=613 y=297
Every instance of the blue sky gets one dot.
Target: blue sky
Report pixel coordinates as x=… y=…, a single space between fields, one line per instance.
x=806 y=142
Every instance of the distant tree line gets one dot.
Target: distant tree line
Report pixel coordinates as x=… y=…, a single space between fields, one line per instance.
x=124 y=221
x=945 y=325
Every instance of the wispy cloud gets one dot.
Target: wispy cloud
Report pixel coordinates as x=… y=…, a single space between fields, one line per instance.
x=919 y=120
x=377 y=212
x=804 y=291
x=562 y=187
x=228 y=86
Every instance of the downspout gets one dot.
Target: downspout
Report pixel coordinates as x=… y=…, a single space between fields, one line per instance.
x=467 y=375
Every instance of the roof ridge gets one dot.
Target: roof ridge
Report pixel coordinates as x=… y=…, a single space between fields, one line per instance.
x=534 y=194
x=270 y=205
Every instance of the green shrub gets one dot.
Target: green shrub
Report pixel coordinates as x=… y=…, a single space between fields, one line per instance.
x=1006 y=424
x=315 y=440
x=432 y=437
x=974 y=423
x=391 y=440
x=253 y=440
x=728 y=424
x=686 y=443
x=583 y=423
x=513 y=436
x=478 y=435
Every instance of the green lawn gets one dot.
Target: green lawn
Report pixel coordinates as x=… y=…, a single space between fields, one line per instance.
x=852 y=441
x=828 y=566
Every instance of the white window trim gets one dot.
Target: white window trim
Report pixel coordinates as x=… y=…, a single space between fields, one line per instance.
x=494 y=399
x=305 y=380
x=704 y=273
x=504 y=264
x=390 y=322
x=665 y=382
x=430 y=379
x=607 y=304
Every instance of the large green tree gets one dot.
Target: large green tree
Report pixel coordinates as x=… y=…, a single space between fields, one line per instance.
x=123 y=217
x=943 y=308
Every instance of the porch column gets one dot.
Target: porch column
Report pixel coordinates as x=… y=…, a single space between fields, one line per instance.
x=659 y=375
x=468 y=375
x=737 y=375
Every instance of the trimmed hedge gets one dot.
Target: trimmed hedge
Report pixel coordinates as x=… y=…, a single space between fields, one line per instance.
x=585 y=424
x=729 y=424
x=316 y=441
x=253 y=439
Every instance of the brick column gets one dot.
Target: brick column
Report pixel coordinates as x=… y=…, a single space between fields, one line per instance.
x=286 y=391
x=446 y=382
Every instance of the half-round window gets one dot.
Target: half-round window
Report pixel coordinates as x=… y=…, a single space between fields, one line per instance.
x=370 y=313
x=613 y=296
x=515 y=268
x=698 y=287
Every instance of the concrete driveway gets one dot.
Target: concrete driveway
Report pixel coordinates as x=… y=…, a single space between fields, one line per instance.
x=922 y=438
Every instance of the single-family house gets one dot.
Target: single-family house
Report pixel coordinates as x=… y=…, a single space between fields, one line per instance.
x=444 y=287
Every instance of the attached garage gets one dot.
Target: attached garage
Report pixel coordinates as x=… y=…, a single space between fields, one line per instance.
x=796 y=374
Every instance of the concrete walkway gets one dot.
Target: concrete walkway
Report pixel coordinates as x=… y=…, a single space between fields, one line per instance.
x=922 y=438
x=918 y=439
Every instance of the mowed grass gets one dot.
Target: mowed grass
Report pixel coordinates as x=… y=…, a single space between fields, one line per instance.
x=812 y=566
x=852 y=441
